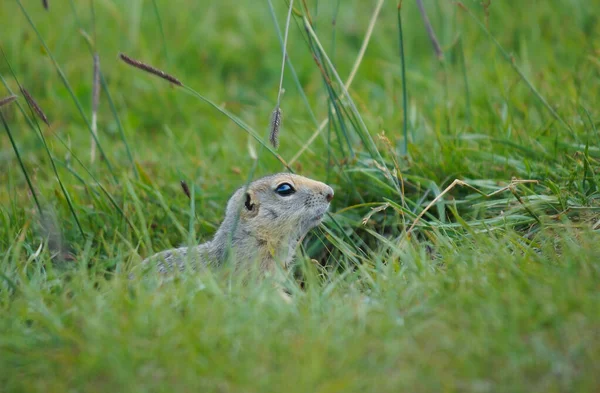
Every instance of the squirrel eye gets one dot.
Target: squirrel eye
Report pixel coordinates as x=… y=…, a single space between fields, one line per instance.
x=285 y=189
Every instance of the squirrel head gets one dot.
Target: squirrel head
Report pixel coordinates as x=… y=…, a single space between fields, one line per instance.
x=281 y=206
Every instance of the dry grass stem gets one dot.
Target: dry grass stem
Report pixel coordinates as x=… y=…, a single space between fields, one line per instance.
x=7 y=100
x=458 y=182
x=95 y=103
x=35 y=106
x=434 y=41
x=374 y=210
x=150 y=69
x=96 y=86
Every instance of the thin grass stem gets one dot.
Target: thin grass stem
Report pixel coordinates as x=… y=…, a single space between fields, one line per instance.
x=95 y=102
x=276 y=116
x=21 y=164
x=349 y=81
x=36 y=110
x=404 y=89
x=510 y=59
x=104 y=190
x=284 y=50
x=161 y=29
x=239 y=123
x=463 y=65
x=111 y=104
x=430 y=32
x=370 y=144
x=291 y=66
x=55 y=170
x=68 y=87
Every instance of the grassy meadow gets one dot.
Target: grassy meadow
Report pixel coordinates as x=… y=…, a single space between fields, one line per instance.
x=415 y=282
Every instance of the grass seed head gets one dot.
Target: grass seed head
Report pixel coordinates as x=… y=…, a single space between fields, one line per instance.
x=36 y=108
x=7 y=100
x=150 y=69
x=186 y=189
x=275 y=126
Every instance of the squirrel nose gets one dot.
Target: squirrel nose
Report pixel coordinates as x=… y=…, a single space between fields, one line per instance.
x=329 y=194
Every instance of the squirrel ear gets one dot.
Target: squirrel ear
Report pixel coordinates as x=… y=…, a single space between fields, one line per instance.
x=248 y=203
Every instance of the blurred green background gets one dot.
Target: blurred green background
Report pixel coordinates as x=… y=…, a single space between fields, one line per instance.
x=491 y=294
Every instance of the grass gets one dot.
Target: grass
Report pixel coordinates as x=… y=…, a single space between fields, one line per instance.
x=495 y=288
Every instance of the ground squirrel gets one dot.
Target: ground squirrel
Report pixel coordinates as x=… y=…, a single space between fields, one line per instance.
x=263 y=223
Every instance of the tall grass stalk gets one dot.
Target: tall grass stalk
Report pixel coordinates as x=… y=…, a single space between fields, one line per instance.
x=98 y=183
x=55 y=170
x=68 y=87
x=404 y=88
x=95 y=102
x=329 y=92
x=162 y=30
x=92 y=50
x=284 y=52
x=291 y=67
x=352 y=74
x=276 y=116
x=36 y=110
x=303 y=95
x=463 y=65
x=21 y=164
x=370 y=145
x=72 y=153
x=430 y=32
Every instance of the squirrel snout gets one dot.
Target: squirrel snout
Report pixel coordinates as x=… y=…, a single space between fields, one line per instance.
x=328 y=193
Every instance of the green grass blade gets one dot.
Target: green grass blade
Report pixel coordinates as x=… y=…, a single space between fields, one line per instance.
x=513 y=64
x=98 y=183
x=404 y=89
x=161 y=29
x=463 y=65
